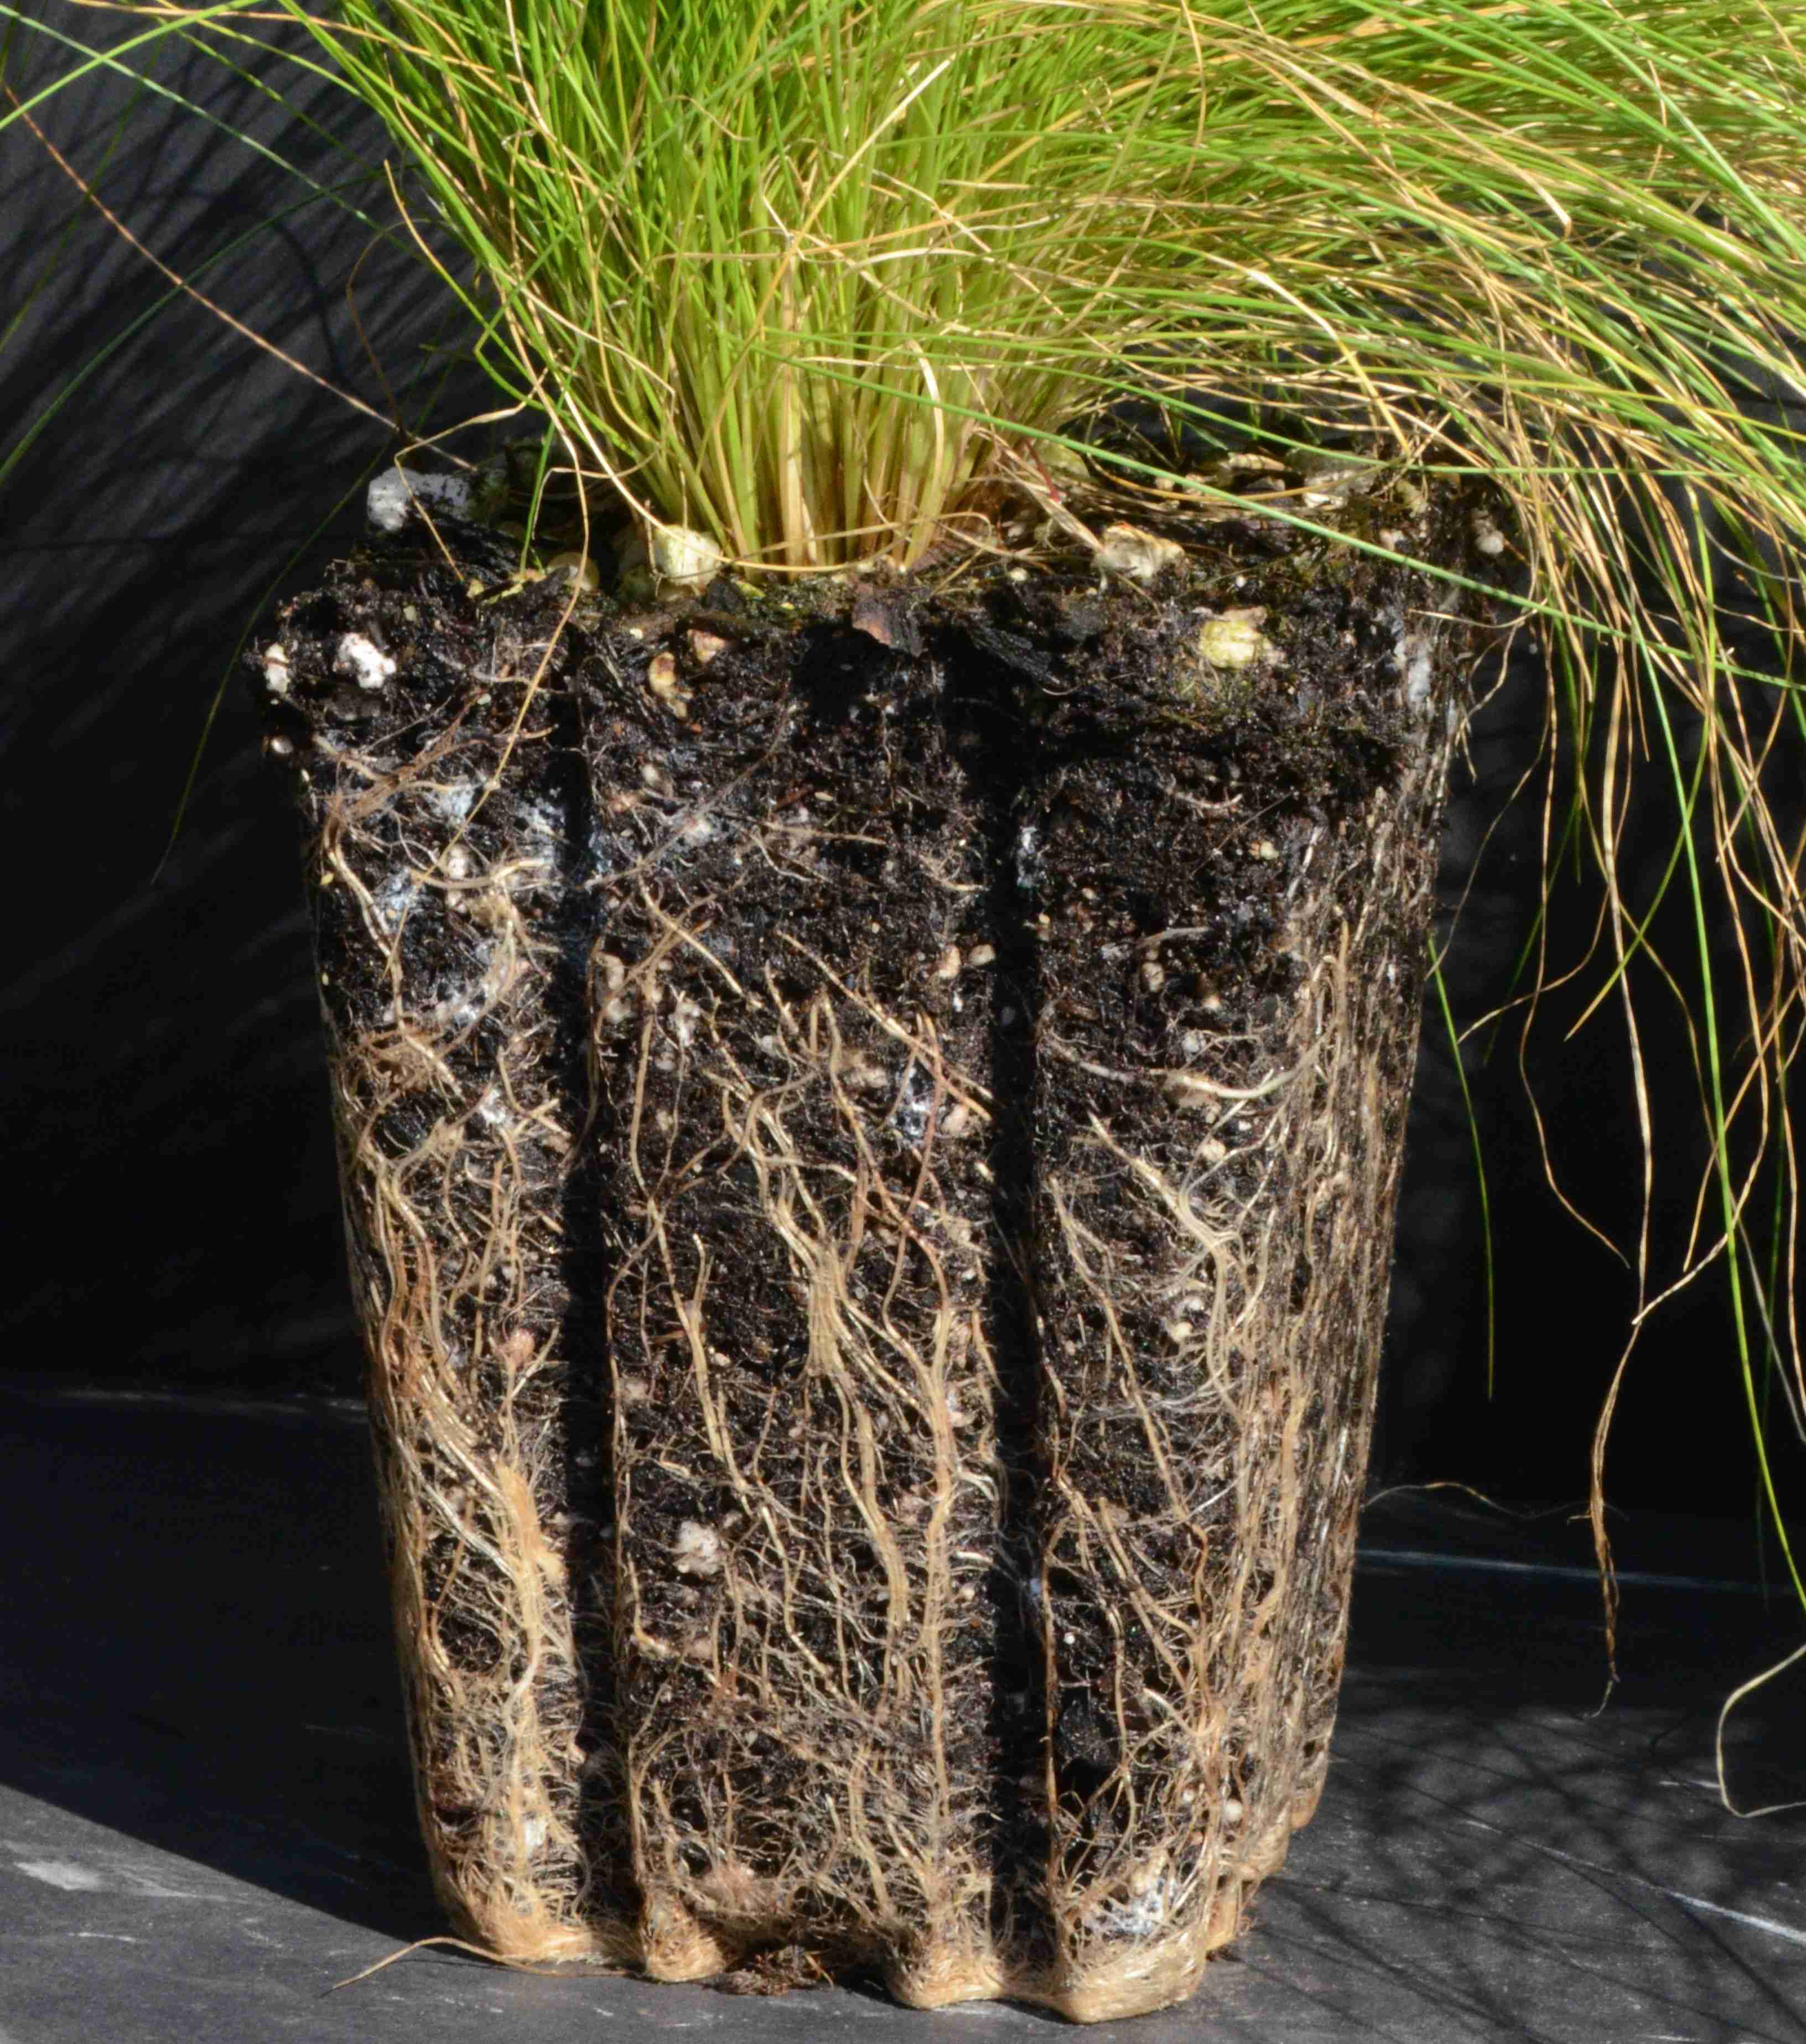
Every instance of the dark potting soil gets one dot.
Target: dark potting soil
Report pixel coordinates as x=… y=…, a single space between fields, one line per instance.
x=871 y=1113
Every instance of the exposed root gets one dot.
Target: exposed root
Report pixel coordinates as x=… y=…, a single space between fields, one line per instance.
x=871 y=1209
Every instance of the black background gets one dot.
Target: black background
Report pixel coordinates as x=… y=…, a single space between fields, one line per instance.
x=163 y=1101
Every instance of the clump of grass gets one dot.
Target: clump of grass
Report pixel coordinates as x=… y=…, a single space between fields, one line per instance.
x=813 y=275
x=790 y=273
x=809 y=276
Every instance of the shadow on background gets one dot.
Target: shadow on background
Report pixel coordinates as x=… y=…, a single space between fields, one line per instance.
x=199 y=1654
x=1501 y=1856
x=163 y=1096
x=199 y=1664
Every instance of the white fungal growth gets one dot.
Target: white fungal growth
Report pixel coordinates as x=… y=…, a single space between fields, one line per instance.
x=453 y=800
x=1138 y=1917
x=1029 y=870
x=1332 y=479
x=393 y=899
x=697 y=1550
x=364 y=661
x=914 y=1101
x=1417 y=662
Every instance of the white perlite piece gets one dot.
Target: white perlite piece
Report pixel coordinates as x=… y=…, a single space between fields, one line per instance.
x=662 y=679
x=697 y=1549
x=1235 y=640
x=385 y=502
x=276 y=669
x=690 y=560
x=1126 y=550
x=1487 y=536
x=581 y=569
x=364 y=661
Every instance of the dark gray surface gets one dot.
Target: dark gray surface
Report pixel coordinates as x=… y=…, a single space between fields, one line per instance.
x=204 y=1820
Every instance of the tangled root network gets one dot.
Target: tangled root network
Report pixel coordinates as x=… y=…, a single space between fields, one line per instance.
x=870 y=1137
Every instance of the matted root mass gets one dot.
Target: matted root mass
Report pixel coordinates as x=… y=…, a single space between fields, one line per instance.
x=870 y=1125
x=1230 y=962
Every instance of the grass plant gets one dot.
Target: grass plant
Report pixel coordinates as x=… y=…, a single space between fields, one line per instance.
x=816 y=276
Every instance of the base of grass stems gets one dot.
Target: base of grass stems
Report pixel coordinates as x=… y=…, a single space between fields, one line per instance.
x=868 y=1126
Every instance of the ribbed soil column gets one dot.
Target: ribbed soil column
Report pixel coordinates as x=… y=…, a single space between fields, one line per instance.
x=790 y=1017
x=437 y=856
x=1231 y=918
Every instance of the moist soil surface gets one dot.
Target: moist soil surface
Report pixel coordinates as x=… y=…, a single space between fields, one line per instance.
x=870 y=1114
